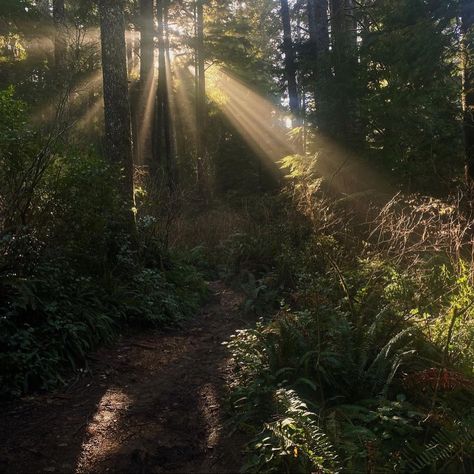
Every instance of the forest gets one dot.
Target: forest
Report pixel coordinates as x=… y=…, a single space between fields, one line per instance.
x=237 y=236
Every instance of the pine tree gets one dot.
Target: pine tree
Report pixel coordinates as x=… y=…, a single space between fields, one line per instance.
x=319 y=43
x=118 y=137
x=290 y=59
x=201 y=113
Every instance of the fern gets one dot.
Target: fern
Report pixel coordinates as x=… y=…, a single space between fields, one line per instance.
x=445 y=445
x=295 y=442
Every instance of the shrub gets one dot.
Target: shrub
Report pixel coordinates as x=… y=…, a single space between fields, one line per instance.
x=70 y=279
x=372 y=348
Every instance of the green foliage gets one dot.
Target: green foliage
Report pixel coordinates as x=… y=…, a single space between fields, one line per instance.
x=353 y=386
x=70 y=279
x=448 y=443
x=407 y=81
x=49 y=321
x=158 y=298
x=52 y=319
x=294 y=443
x=350 y=341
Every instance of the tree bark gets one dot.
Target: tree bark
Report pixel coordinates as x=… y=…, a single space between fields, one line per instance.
x=147 y=49
x=467 y=29
x=201 y=114
x=290 y=59
x=163 y=140
x=60 y=41
x=318 y=24
x=118 y=141
x=344 y=47
x=319 y=38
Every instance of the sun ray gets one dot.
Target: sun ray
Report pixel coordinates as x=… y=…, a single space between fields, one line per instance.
x=264 y=126
x=145 y=115
x=259 y=121
x=91 y=84
x=93 y=112
x=184 y=108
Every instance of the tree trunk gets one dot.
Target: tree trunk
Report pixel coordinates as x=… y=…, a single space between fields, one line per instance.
x=290 y=60
x=158 y=148
x=201 y=114
x=344 y=47
x=142 y=123
x=118 y=141
x=318 y=24
x=319 y=38
x=60 y=41
x=147 y=49
x=467 y=14
x=163 y=149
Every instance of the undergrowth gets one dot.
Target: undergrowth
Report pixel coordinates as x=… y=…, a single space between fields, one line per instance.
x=70 y=280
x=361 y=361
x=54 y=317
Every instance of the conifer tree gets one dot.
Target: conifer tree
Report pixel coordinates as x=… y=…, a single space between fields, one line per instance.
x=118 y=137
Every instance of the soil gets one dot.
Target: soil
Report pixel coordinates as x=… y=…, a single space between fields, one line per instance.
x=152 y=403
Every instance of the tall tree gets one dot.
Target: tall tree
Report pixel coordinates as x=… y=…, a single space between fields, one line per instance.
x=142 y=123
x=147 y=30
x=318 y=23
x=344 y=51
x=162 y=136
x=290 y=58
x=60 y=41
x=200 y=80
x=467 y=15
x=118 y=136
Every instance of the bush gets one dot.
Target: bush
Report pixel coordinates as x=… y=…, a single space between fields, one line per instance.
x=70 y=279
x=52 y=319
x=369 y=352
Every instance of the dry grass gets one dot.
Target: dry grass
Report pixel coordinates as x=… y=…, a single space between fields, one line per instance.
x=207 y=228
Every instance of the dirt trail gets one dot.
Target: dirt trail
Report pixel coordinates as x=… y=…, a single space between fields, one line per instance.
x=153 y=404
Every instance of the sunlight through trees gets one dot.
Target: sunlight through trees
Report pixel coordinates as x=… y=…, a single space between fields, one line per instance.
x=237 y=236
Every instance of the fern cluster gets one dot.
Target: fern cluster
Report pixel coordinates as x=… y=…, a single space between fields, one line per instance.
x=332 y=381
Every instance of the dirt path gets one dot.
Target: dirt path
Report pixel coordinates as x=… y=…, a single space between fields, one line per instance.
x=154 y=403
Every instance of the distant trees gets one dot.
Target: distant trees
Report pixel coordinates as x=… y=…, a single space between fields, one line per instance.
x=380 y=77
x=337 y=55
x=376 y=69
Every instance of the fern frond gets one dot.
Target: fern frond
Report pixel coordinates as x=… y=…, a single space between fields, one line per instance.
x=444 y=446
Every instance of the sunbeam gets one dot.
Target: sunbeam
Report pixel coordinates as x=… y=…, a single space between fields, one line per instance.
x=145 y=116
x=259 y=121
x=91 y=84
x=264 y=126
x=184 y=83
x=93 y=111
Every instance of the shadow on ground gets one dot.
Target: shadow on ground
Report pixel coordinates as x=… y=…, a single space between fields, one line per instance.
x=153 y=404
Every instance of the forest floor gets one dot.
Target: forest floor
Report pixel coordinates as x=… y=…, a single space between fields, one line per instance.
x=152 y=403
